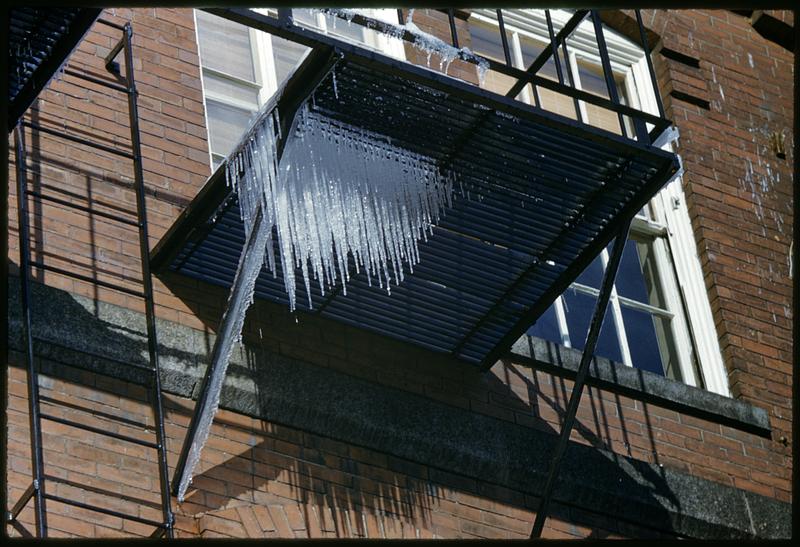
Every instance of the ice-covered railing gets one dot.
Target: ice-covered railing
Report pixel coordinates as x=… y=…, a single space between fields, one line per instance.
x=337 y=190
x=423 y=41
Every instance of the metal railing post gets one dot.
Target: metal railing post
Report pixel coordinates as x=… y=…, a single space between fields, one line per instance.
x=147 y=280
x=580 y=378
x=37 y=463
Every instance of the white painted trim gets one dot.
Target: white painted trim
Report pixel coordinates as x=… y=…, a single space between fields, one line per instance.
x=202 y=87
x=670 y=209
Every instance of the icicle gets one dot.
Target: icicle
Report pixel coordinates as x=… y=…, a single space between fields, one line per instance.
x=335 y=87
x=337 y=191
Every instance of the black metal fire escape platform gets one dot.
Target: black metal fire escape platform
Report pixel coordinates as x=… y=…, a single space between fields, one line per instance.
x=543 y=195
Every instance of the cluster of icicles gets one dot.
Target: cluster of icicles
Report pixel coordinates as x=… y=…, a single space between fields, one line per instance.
x=336 y=191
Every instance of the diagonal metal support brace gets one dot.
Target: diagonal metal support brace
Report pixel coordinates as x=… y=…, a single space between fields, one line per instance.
x=580 y=378
x=241 y=296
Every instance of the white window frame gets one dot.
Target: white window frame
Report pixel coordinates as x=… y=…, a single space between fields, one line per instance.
x=669 y=226
x=265 y=74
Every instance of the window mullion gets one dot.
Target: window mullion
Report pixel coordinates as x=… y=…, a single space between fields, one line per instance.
x=561 y=317
x=616 y=311
x=576 y=78
x=519 y=62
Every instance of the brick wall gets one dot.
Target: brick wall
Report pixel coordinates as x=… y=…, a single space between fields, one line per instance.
x=738 y=192
x=262 y=479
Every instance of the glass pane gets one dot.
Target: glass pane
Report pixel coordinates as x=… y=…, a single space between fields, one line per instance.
x=531 y=50
x=579 y=308
x=286 y=54
x=547 y=326
x=225 y=46
x=640 y=278
x=224 y=87
x=305 y=17
x=226 y=124
x=486 y=40
x=631 y=281
x=592 y=276
x=650 y=342
x=343 y=28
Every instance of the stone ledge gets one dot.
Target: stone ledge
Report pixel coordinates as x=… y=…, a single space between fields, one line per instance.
x=643 y=385
x=332 y=404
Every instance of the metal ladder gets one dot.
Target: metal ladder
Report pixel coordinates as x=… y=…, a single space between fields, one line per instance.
x=37 y=490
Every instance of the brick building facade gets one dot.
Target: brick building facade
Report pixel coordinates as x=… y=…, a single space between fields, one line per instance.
x=330 y=431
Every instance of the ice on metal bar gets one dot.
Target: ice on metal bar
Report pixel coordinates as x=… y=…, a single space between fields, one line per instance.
x=338 y=191
x=423 y=41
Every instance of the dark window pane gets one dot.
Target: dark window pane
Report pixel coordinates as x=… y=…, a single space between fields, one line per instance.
x=631 y=281
x=592 y=276
x=579 y=308
x=642 y=330
x=547 y=326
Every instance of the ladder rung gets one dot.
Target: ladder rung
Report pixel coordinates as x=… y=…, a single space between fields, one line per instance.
x=80 y=207
x=103 y=510
x=110 y=24
x=98 y=81
x=96 y=355
x=86 y=278
x=92 y=429
x=96 y=413
x=79 y=140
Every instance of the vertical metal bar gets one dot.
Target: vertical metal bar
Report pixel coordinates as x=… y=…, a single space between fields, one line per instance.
x=554 y=46
x=286 y=17
x=239 y=299
x=37 y=463
x=453 y=31
x=608 y=74
x=646 y=47
x=571 y=78
x=580 y=377
x=795 y=256
x=503 y=37
x=147 y=280
x=400 y=18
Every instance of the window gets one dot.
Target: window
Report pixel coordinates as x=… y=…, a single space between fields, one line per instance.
x=241 y=67
x=659 y=317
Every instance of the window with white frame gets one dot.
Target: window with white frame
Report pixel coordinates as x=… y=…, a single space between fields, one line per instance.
x=242 y=67
x=659 y=317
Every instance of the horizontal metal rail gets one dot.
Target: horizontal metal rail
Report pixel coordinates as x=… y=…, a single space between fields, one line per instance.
x=103 y=510
x=96 y=355
x=99 y=81
x=79 y=140
x=99 y=431
x=111 y=24
x=84 y=208
x=127 y=422
x=86 y=278
x=313 y=39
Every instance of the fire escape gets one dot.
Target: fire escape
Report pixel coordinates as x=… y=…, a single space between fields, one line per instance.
x=563 y=191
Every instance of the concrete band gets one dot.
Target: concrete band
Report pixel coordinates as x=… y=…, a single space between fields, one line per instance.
x=332 y=404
